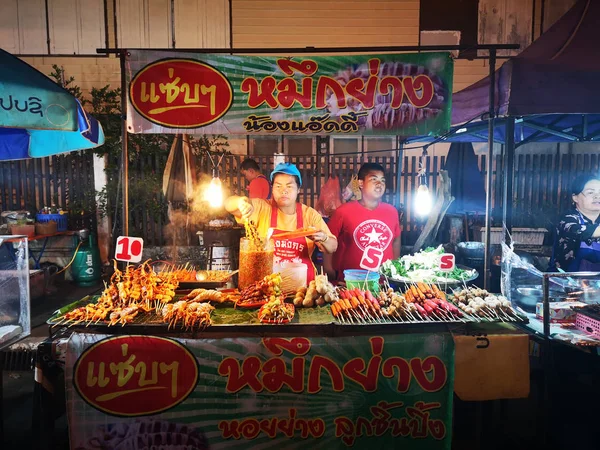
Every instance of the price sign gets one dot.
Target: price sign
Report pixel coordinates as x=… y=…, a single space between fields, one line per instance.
x=129 y=249
x=371 y=259
x=447 y=262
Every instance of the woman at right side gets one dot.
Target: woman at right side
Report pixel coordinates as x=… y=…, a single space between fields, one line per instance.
x=577 y=237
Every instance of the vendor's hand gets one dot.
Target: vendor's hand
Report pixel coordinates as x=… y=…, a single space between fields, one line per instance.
x=245 y=207
x=319 y=236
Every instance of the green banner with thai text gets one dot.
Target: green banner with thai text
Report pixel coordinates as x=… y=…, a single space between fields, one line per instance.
x=133 y=391
x=408 y=94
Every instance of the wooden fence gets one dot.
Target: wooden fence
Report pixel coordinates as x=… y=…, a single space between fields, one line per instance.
x=541 y=183
x=66 y=181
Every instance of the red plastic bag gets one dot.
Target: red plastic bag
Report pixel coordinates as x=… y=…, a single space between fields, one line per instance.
x=329 y=199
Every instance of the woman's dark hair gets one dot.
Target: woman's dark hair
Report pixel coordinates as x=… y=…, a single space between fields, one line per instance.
x=579 y=183
x=294 y=176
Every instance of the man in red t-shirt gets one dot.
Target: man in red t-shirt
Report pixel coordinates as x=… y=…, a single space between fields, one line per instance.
x=365 y=223
x=259 y=186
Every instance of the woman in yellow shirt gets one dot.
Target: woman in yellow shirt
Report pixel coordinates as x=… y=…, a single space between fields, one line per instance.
x=283 y=214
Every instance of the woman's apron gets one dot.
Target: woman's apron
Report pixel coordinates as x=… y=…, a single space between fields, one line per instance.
x=291 y=252
x=588 y=256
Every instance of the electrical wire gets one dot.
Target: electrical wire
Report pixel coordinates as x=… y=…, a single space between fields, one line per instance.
x=72 y=259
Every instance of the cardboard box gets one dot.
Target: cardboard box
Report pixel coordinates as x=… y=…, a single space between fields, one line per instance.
x=560 y=312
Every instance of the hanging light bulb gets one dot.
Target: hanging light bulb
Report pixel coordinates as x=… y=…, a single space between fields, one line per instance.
x=214 y=193
x=423 y=200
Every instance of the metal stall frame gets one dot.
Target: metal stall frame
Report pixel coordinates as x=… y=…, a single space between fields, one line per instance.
x=492 y=53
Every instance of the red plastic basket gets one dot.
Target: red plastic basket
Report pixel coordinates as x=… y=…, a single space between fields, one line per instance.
x=60 y=219
x=588 y=325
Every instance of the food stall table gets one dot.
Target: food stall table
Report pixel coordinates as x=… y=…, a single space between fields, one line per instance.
x=37 y=254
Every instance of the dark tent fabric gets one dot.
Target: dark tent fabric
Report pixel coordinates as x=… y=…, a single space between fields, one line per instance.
x=558 y=74
x=468 y=187
x=538 y=128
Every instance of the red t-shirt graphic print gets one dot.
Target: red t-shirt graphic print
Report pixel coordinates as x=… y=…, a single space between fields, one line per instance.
x=357 y=227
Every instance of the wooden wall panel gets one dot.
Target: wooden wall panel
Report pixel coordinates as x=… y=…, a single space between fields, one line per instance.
x=31 y=25
x=350 y=23
x=189 y=26
x=216 y=30
x=554 y=10
x=91 y=26
x=505 y=22
x=201 y=23
x=62 y=21
x=76 y=26
x=130 y=23
x=144 y=23
x=158 y=24
x=9 y=29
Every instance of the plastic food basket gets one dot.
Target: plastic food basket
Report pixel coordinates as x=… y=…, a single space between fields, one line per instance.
x=588 y=325
x=60 y=219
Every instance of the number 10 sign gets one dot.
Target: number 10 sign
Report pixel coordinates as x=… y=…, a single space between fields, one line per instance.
x=129 y=249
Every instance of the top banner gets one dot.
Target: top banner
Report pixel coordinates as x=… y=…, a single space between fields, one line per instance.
x=391 y=94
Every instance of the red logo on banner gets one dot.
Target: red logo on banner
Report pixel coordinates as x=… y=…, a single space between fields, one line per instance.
x=135 y=375
x=447 y=262
x=180 y=93
x=371 y=259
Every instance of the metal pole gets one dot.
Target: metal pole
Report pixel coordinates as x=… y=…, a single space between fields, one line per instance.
x=508 y=166
x=488 y=181
x=287 y=50
x=546 y=305
x=124 y=151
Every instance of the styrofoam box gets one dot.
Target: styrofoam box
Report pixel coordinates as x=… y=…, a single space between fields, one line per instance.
x=523 y=236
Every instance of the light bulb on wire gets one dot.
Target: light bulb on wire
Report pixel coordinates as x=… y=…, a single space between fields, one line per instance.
x=423 y=201
x=214 y=192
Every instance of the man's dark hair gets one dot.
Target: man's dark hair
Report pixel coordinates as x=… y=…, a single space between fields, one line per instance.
x=249 y=163
x=579 y=183
x=369 y=167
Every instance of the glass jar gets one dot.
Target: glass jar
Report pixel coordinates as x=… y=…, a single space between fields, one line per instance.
x=255 y=264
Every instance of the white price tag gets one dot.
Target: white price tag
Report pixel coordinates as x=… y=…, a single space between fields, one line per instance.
x=447 y=262
x=371 y=259
x=129 y=249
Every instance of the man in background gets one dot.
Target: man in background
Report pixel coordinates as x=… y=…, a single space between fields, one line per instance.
x=258 y=186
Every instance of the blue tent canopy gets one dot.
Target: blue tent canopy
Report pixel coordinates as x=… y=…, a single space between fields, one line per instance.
x=39 y=118
x=534 y=128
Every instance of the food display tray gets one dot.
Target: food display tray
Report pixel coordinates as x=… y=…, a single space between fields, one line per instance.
x=226 y=317
x=396 y=282
x=289 y=307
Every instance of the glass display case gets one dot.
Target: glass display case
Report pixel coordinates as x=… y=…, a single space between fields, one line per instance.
x=569 y=308
x=14 y=290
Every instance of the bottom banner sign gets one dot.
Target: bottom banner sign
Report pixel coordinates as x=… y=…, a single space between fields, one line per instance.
x=147 y=392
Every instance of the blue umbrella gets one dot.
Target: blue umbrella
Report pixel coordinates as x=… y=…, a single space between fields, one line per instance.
x=39 y=118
